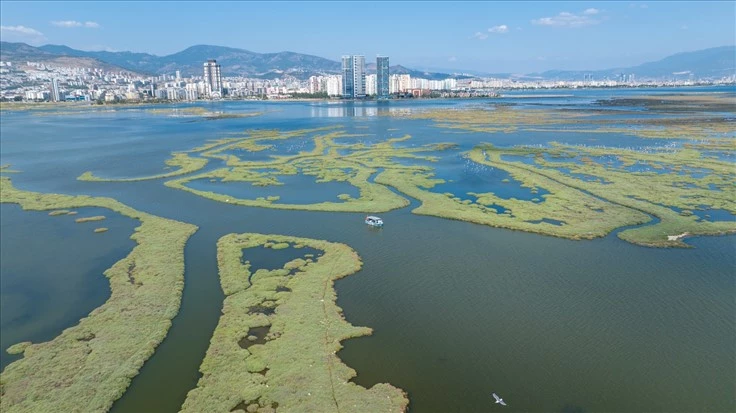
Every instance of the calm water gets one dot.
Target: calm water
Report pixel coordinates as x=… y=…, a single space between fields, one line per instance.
x=48 y=283
x=458 y=310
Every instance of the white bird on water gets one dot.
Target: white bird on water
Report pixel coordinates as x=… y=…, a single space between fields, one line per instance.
x=498 y=400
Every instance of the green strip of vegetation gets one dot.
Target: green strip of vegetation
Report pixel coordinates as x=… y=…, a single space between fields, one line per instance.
x=668 y=191
x=88 y=366
x=324 y=163
x=89 y=219
x=185 y=163
x=275 y=346
x=681 y=117
x=6 y=169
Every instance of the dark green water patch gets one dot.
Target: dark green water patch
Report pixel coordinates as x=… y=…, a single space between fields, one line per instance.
x=51 y=270
x=508 y=323
x=262 y=258
x=256 y=335
x=254 y=405
x=265 y=308
x=548 y=221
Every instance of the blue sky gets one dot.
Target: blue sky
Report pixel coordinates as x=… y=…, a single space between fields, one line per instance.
x=518 y=37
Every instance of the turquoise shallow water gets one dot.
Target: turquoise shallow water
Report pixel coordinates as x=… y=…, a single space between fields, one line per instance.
x=458 y=310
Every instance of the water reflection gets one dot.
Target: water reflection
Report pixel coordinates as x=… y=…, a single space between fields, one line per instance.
x=355 y=109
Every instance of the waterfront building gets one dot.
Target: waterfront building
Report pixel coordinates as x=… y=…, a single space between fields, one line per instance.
x=382 y=77
x=334 y=85
x=315 y=84
x=404 y=83
x=370 y=85
x=353 y=76
x=213 y=77
x=394 y=84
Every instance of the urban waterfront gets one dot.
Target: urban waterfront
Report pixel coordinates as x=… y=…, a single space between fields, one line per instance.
x=458 y=310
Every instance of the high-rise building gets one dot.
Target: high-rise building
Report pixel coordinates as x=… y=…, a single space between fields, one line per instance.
x=382 y=77
x=178 y=75
x=404 y=82
x=212 y=77
x=55 y=92
x=315 y=84
x=370 y=85
x=334 y=85
x=353 y=76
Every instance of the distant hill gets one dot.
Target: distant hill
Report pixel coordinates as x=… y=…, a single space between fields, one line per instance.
x=401 y=70
x=235 y=62
x=715 y=62
x=21 y=53
x=709 y=63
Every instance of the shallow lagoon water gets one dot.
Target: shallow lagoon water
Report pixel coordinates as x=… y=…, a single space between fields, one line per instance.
x=458 y=310
x=463 y=176
x=42 y=295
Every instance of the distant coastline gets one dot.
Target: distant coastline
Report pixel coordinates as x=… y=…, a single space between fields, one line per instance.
x=28 y=105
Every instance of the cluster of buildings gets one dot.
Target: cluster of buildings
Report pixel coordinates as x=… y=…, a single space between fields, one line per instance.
x=355 y=83
x=38 y=81
x=391 y=85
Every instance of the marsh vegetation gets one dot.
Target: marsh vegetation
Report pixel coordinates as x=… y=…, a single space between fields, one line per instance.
x=277 y=340
x=88 y=366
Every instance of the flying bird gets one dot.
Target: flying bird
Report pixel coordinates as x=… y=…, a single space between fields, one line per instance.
x=498 y=400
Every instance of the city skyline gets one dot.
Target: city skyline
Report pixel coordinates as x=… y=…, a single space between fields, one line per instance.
x=491 y=37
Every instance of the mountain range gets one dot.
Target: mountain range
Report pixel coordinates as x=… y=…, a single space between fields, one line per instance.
x=708 y=63
x=715 y=62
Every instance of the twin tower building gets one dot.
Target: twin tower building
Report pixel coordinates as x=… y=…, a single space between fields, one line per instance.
x=353 y=77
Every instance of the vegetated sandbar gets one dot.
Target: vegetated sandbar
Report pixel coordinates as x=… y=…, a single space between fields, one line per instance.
x=583 y=216
x=185 y=164
x=204 y=113
x=664 y=188
x=89 y=219
x=580 y=204
x=275 y=345
x=670 y=117
x=325 y=162
x=88 y=366
x=6 y=169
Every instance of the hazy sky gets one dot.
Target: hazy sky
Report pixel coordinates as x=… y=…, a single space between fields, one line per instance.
x=491 y=37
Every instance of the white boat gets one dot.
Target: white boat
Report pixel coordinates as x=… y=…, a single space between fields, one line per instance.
x=373 y=221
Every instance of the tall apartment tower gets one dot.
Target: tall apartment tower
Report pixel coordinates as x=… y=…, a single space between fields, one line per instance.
x=353 y=76
x=382 y=77
x=212 y=76
x=55 y=92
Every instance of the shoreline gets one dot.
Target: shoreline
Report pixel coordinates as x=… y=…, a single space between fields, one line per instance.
x=26 y=105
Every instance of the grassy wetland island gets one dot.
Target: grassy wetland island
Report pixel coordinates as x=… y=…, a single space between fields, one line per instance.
x=559 y=251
